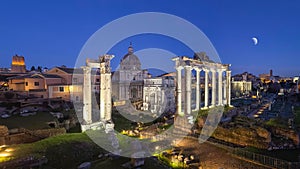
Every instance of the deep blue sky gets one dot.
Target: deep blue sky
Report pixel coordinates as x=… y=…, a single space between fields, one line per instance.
x=52 y=33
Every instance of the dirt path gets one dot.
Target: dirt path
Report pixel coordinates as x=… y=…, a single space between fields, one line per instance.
x=212 y=157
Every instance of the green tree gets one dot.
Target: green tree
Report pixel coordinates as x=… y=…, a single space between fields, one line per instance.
x=39 y=68
x=32 y=68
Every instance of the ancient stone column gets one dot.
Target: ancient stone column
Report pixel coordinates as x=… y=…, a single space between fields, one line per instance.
x=87 y=97
x=224 y=92
x=198 y=98
x=178 y=70
x=228 y=90
x=105 y=88
x=220 y=93
x=188 y=91
x=213 y=88
x=206 y=89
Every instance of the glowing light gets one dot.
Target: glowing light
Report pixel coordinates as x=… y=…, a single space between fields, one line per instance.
x=2 y=146
x=18 y=61
x=5 y=154
x=256 y=115
x=18 y=64
x=9 y=150
x=192 y=157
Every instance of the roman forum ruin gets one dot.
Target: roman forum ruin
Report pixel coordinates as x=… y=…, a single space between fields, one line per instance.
x=201 y=64
x=219 y=96
x=103 y=63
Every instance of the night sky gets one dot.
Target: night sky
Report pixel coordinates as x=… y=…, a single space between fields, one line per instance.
x=52 y=33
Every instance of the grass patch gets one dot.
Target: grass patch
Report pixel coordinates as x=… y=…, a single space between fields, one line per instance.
x=217 y=109
x=64 y=151
x=121 y=123
x=70 y=150
x=38 y=121
x=165 y=126
x=203 y=113
x=277 y=122
x=227 y=109
x=167 y=161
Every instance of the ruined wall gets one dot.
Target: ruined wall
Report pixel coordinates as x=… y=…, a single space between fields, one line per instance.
x=254 y=137
x=21 y=136
x=287 y=133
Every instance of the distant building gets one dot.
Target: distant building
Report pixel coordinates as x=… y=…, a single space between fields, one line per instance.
x=18 y=64
x=272 y=78
x=127 y=81
x=33 y=85
x=70 y=87
x=266 y=77
x=159 y=94
x=3 y=83
x=245 y=76
x=240 y=88
x=4 y=70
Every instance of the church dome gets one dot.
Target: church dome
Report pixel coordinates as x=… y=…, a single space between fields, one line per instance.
x=130 y=61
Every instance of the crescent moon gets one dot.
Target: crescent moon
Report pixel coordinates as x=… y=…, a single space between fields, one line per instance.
x=255 y=40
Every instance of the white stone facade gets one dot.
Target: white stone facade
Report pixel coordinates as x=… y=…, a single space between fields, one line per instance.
x=127 y=81
x=159 y=95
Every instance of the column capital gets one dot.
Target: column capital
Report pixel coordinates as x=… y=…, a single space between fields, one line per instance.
x=86 y=69
x=187 y=66
x=179 y=68
x=206 y=70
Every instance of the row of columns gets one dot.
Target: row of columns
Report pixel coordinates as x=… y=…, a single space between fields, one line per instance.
x=223 y=88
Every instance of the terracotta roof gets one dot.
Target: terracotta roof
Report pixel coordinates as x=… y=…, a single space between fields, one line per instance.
x=77 y=70
x=37 y=75
x=71 y=70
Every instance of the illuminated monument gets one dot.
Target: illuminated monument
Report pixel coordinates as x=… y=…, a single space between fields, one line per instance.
x=103 y=63
x=220 y=87
x=18 y=64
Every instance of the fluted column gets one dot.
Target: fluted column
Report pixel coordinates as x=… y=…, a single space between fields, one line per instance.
x=87 y=99
x=220 y=92
x=228 y=91
x=213 y=88
x=179 y=97
x=206 y=89
x=188 y=80
x=198 y=98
